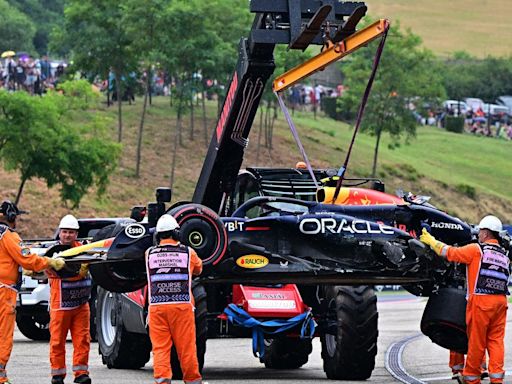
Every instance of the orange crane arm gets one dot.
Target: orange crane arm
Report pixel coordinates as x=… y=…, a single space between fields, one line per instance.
x=333 y=53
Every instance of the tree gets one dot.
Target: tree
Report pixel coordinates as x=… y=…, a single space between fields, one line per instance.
x=145 y=16
x=16 y=29
x=45 y=15
x=201 y=48
x=95 y=32
x=404 y=76
x=39 y=140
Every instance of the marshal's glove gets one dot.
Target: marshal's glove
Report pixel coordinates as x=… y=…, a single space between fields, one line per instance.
x=437 y=246
x=84 y=270
x=56 y=264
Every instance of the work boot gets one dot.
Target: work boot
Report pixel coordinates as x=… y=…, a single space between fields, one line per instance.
x=484 y=375
x=58 y=379
x=458 y=376
x=83 y=379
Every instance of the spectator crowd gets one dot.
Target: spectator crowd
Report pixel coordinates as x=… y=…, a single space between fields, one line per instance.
x=23 y=72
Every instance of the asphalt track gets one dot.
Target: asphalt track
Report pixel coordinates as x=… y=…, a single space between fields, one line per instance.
x=402 y=350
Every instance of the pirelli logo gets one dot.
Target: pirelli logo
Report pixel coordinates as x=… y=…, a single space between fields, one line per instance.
x=227 y=107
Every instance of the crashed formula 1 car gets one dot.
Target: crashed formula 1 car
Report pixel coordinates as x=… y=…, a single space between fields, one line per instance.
x=277 y=243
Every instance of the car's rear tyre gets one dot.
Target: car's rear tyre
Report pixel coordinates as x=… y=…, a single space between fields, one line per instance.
x=286 y=353
x=118 y=347
x=35 y=327
x=350 y=353
x=201 y=319
x=201 y=229
x=444 y=319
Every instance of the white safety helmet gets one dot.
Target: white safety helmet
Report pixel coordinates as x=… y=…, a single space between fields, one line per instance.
x=166 y=223
x=69 y=222
x=492 y=223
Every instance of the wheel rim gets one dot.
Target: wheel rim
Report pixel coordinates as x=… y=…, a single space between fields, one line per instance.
x=330 y=343
x=195 y=238
x=107 y=329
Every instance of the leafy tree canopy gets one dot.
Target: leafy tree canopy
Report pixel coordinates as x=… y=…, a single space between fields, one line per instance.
x=44 y=15
x=404 y=76
x=38 y=141
x=17 y=31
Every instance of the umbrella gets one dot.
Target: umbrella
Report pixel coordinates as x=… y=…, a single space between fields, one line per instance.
x=8 y=54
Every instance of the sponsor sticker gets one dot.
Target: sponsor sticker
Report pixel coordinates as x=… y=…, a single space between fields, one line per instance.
x=135 y=231
x=252 y=261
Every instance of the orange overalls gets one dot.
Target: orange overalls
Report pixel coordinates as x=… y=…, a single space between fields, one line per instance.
x=170 y=267
x=487 y=276
x=457 y=362
x=69 y=311
x=12 y=256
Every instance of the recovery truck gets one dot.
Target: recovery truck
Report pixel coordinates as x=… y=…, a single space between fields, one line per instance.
x=277 y=243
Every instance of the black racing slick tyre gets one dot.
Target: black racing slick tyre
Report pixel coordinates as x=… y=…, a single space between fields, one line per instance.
x=286 y=353
x=349 y=353
x=118 y=347
x=35 y=327
x=201 y=229
x=444 y=319
x=201 y=314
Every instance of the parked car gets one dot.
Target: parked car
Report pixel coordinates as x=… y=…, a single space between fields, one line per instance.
x=507 y=101
x=457 y=106
x=474 y=103
x=496 y=112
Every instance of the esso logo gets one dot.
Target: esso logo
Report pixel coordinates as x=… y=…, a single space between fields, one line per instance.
x=134 y=231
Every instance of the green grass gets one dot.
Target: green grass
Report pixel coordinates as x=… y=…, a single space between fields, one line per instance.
x=479 y=27
x=467 y=176
x=463 y=160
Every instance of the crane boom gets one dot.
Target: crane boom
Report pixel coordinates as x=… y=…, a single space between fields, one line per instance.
x=297 y=23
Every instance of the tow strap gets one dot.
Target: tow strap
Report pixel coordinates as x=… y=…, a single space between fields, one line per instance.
x=296 y=137
x=239 y=316
x=360 y=112
x=364 y=100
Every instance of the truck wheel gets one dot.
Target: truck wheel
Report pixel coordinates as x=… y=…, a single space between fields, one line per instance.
x=349 y=354
x=444 y=319
x=286 y=353
x=34 y=327
x=92 y=306
x=118 y=348
x=201 y=331
x=201 y=229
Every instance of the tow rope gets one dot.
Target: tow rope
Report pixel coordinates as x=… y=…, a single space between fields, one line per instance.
x=239 y=316
x=360 y=112
x=296 y=137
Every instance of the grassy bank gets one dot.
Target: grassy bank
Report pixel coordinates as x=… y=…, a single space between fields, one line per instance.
x=479 y=27
x=465 y=175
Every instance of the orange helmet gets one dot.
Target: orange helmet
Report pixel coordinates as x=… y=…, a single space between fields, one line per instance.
x=300 y=165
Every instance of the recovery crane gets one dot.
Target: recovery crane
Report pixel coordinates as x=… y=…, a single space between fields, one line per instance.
x=293 y=249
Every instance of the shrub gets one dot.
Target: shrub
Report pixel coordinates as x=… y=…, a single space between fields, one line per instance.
x=467 y=190
x=455 y=124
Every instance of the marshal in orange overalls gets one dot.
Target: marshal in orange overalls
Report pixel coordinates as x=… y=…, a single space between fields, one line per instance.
x=487 y=276
x=69 y=311
x=12 y=257
x=170 y=267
